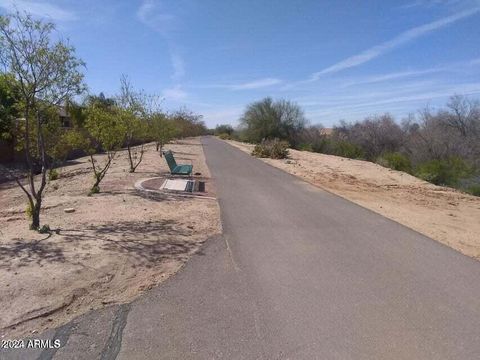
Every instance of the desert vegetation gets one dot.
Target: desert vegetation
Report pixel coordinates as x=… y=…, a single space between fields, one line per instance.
x=42 y=77
x=440 y=146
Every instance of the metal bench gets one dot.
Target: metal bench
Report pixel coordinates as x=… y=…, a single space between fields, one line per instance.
x=176 y=169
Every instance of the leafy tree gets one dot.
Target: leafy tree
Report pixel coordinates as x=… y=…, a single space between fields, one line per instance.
x=77 y=113
x=269 y=119
x=47 y=73
x=9 y=95
x=224 y=129
x=188 y=123
x=162 y=130
x=100 y=100
x=106 y=131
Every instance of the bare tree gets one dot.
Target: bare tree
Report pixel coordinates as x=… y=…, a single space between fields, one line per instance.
x=464 y=115
x=375 y=135
x=47 y=73
x=133 y=115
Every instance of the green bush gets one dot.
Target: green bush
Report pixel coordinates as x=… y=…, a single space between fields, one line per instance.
x=274 y=149
x=225 y=136
x=94 y=190
x=444 y=172
x=223 y=129
x=395 y=161
x=348 y=150
x=305 y=147
x=474 y=190
x=53 y=175
x=29 y=211
x=45 y=229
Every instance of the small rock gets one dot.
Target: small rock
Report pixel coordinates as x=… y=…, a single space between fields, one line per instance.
x=69 y=210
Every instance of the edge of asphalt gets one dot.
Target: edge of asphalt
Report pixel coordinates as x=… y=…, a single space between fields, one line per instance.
x=321 y=188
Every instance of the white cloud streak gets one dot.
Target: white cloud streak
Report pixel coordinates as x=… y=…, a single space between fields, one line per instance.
x=151 y=14
x=178 y=66
x=250 y=85
x=256 y=84
x=403 y=38
x=175 y=93
x=38 y=8
x=452 y=67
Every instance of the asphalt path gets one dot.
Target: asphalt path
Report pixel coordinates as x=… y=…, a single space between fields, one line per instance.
x=298 y=273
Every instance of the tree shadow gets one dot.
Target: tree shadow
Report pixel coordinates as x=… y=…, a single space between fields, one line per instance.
x=23 y=253
x=147 y=243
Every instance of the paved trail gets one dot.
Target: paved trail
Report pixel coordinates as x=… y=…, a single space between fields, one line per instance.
x=298 y=274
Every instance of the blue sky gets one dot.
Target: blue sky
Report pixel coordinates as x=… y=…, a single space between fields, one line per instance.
x=337 y=59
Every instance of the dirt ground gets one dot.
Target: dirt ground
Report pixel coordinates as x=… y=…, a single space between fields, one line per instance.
x=115 y=245
x=444 y=214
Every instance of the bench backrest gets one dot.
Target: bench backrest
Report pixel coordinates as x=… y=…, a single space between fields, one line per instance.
x=172 y=164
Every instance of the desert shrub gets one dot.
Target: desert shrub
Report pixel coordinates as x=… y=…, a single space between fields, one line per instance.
x=53 y=175
x=395 y=161
x=29 y=211
x=223 y=129
x=347 y=149
x=45 y=229
x=474 y=190
x=444 y=172
x=374 y=135
x=274 y=149
x=305 y=147
x=94 y=190
x=269 y=119
x=225 y=136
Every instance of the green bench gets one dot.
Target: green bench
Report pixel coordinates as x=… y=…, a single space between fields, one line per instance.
x=176 y=169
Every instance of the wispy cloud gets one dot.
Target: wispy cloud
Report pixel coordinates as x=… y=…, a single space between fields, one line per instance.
x=152 y=14
x=228 y=115
x=256 y=84
x=392 y=76
x=475 y=62
x=175 y=93
x=447 y=68
x=38 y=8
x=178 y=66
x=249 y=85
x=403 y=38
x=397 y=105
x=437 y=3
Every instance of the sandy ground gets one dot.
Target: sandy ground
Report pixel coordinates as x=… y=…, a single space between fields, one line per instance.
x=444 y=214
x=114 y=246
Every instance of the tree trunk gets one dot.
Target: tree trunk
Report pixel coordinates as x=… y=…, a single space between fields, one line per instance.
x=130 y=159
x=35 y=225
